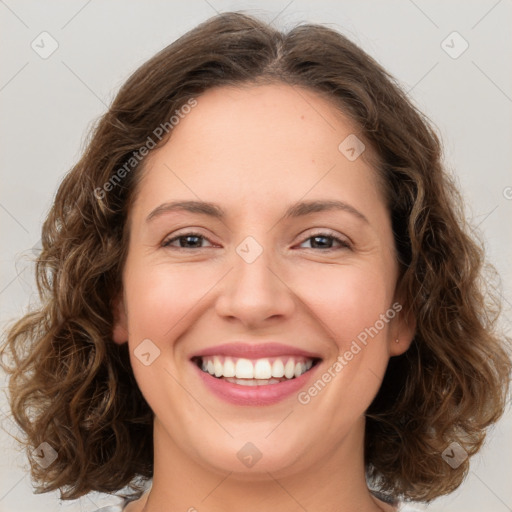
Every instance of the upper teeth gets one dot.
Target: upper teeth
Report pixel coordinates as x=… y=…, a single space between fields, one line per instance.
x=288 y=367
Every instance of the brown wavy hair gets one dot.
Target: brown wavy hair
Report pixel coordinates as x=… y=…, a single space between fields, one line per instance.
x=71 y=386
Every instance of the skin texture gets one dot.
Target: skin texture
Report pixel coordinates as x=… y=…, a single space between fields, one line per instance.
x=254 y=151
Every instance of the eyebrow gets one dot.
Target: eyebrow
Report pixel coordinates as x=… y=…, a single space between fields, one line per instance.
x=298 y=209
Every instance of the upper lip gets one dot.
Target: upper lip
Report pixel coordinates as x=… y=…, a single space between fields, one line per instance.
x=255 y=351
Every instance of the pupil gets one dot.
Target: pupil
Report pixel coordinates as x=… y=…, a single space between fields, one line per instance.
x=321 y=238
x=192 y=237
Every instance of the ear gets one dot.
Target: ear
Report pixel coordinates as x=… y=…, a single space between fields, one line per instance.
x=402 y=330
x=120 y=326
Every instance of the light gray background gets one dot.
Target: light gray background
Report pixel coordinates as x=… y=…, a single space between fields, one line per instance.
x=47 y=106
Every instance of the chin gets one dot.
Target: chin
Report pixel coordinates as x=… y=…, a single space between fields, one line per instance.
x=252 y=459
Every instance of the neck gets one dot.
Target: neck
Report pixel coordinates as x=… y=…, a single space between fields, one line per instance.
x=333 y=483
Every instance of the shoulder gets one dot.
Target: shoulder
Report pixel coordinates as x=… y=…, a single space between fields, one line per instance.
x=110 y=508
x=119 y=506
x=391 y=503
x=407 y=507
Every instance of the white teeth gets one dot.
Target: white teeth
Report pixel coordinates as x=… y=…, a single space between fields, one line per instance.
x=252 y=382
x=260 y=371
x=289 y=369
x=278 y=368
x=247 y=382
x=298 y=369
x=229 y=368
x=244 y=369
x=217 y=366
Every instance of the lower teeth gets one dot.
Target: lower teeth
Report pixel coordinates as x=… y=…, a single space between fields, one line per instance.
x=253 y=382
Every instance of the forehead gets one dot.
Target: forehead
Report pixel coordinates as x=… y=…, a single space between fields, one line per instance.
x=262 y=140
x=249 y=116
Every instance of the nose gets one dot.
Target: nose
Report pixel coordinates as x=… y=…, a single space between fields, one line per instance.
x=256 y=293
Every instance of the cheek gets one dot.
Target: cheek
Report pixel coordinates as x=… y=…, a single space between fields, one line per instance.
x=347 y=300
x=162 y=301
x=349 y=304
x=161 y=296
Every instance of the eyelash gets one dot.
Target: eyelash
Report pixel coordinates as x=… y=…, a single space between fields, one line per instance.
x=343 y=243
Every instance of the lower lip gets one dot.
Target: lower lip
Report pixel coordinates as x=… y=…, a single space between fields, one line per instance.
x=254 y=395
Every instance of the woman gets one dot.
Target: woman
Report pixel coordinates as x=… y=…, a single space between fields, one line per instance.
x=258 y=291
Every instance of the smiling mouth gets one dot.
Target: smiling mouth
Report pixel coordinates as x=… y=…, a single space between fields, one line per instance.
x=255 y=372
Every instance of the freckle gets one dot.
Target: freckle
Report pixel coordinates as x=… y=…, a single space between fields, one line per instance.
x=302 y=117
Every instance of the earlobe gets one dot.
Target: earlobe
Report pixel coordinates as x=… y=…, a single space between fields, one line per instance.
x=402 y=334
x=120 y=325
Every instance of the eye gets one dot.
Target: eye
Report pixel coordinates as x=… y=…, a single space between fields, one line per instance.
x=193 y=240
x=189 y=240
x=325 y=241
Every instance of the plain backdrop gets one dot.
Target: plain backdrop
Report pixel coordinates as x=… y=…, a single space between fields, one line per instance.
x=48 y=104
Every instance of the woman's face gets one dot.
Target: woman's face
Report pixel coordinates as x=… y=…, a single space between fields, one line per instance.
x=255 y=277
